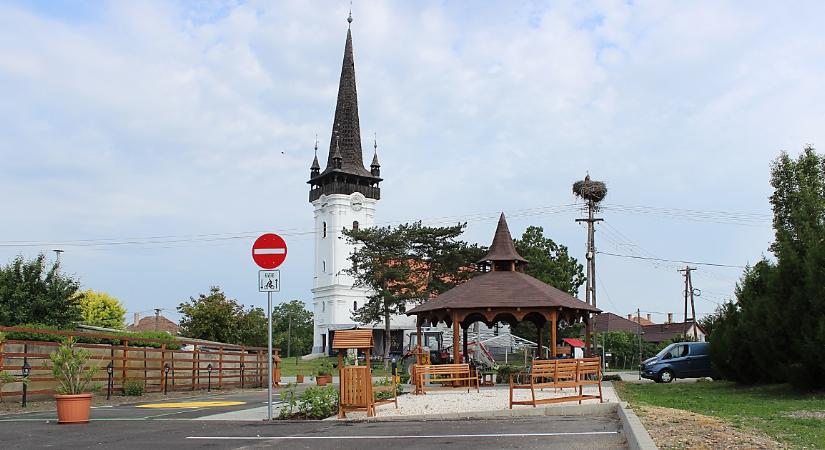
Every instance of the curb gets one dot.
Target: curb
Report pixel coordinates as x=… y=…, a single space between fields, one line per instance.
x=594 y=409
x=637 y=436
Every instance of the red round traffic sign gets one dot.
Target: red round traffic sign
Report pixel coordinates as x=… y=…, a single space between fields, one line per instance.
x=269 y=251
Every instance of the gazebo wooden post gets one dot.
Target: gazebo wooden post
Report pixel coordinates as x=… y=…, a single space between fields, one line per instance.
x=553 y=325
x=540 y=330
x=456 y=340
x=464 y=344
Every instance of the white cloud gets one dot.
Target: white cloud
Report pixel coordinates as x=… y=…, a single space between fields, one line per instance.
x=155 y=118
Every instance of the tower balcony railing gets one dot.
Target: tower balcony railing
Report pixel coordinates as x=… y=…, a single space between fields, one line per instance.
x=339 y=187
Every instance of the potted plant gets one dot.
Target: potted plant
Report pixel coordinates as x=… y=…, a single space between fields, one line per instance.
x=324 y=373
x=299 y=378
x=71 y=369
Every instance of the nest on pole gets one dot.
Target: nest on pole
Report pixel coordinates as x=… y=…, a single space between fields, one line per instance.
x=590 y=190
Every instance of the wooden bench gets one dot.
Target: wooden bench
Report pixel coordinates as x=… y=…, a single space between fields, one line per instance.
x=456 y=374
x=558 y=374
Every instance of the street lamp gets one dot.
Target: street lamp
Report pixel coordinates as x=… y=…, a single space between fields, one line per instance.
x=166 y=377
x=110 y=370
x=209 y=378
x=27 y=369
x=242 y=367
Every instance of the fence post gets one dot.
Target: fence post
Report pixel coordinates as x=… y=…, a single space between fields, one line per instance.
x=163 y=376
x=220 y=367
x=242 y=365
x=124 y=363
x=196 y=364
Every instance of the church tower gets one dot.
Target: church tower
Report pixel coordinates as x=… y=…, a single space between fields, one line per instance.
x=343 y=195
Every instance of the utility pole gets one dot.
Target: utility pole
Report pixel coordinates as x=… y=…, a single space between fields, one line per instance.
x=590 y=287
x=592 y=192
x=57 y=253
x=289 y=338
x=689 y=294
x=639 y=332
x=157 y=319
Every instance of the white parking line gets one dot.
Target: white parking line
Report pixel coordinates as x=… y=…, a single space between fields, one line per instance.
x=412 y=436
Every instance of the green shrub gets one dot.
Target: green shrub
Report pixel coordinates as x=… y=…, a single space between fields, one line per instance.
x=313 y=403
x=133 y=338
x=503 y=372
x=383 y=395
x=70 y=367
x=134 y=388
x=612 y=377
x=319 y=402
x=324 y=368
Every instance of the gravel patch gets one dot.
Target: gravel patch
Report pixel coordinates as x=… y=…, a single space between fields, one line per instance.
x=489 y=399
x=678 y=429
x=807 y=414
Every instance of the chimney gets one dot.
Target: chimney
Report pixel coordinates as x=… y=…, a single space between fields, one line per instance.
x=669 y=317
x=648 y=318
x=630 y=317
x=137 y=318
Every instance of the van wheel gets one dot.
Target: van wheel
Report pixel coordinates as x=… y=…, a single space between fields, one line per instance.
x=665 y=376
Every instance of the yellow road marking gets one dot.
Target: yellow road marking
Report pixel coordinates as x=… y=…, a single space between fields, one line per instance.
x=190 y=404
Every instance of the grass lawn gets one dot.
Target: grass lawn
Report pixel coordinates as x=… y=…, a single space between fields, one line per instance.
x=767 y=408
x=289 y=368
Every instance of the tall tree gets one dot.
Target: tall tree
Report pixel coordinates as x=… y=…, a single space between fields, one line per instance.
x=407 y=264
x=102 y=310
x=292 y=323
x=551 y=263
x=213 y=317
x=31 y=292
x=780 y=307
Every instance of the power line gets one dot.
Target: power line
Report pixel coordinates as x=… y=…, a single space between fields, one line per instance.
x=673 y=260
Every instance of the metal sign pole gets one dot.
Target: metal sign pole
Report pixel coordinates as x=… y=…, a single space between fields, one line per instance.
x=269 y=355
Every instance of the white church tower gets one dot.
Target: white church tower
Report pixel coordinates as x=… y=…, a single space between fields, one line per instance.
x=343 y=195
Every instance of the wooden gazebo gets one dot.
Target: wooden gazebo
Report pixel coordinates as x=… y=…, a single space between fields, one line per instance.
x=504 y=293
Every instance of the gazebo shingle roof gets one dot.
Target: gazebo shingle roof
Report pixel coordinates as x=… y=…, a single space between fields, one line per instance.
x=502 y=248
x=499 y=289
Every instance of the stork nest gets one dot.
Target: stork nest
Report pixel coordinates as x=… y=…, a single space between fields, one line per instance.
x=590 y=190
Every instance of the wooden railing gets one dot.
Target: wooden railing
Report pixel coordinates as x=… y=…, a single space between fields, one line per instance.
x=232 y=365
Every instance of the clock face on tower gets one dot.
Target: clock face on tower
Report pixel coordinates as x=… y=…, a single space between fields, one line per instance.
x=357 y=201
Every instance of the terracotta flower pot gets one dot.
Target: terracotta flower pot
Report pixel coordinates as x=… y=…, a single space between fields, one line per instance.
x=299 y=378
x=73 y=408
x=323 y=380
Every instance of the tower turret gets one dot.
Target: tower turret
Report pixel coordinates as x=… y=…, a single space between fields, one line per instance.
x=375 y=168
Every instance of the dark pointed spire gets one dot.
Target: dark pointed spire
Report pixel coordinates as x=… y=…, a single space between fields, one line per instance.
x=503 y=250
x=346 y=118
x=315 y=169
x=336 y=156
x=375 y=167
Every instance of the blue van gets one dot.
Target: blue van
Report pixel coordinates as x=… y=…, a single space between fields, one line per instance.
x=679 y=360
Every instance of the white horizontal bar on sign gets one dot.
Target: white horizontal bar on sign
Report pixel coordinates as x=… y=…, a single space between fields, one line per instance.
x=269 y=251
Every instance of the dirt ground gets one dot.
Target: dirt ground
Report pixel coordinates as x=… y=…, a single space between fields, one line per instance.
x=11 y=405
x=678 y=429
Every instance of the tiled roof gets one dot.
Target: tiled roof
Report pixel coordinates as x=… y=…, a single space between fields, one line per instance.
x=148 y=324
x=607 y=322
x=502 y=248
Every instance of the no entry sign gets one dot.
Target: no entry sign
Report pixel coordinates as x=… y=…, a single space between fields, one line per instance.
x=269 y=251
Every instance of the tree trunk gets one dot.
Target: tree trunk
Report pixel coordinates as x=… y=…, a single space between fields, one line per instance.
x=386 y=338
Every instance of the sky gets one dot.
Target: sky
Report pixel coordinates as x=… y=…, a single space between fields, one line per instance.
x=153 y=141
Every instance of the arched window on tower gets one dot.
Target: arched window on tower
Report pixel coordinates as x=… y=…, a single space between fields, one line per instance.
x=354 y=306
x=325 y=230
x=354 y=225
x=324 y=266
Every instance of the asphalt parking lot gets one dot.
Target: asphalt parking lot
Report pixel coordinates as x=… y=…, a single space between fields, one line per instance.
x=178 y=423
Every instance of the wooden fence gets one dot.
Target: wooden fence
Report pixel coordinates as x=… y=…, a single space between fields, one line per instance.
x=232 y=365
